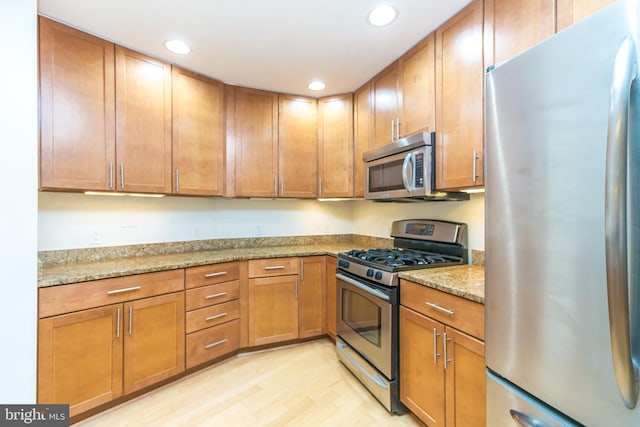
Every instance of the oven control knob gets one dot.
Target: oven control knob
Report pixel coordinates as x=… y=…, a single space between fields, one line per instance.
x=378 y=275
x=343 y=263
x=370 y=273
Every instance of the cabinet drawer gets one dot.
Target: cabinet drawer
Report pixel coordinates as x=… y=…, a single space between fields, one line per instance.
x=274 y=267
x=210 y=274
x=79 y=296
x=211 y=295
x=465 y=315
x=211 y=316
x=212 y=342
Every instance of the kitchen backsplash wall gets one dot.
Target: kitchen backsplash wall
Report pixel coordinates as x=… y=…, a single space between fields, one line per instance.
x=72 y=221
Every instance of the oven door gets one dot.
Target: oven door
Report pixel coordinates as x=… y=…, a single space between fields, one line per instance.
x=364 y=320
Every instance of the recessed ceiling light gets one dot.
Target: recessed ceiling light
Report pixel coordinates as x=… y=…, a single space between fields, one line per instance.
x=177 y=46
x=382 y=15
x=316 y=85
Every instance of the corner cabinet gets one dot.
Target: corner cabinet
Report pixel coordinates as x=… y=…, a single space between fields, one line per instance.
x=335 y=146
x=198 y=134
x=312 y=297
x=77 y=109
x=102 y=339
x=442 y=366
x=460 y=99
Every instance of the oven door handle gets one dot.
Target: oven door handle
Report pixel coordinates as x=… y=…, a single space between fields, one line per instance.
x=373 y=378
x=365 y=288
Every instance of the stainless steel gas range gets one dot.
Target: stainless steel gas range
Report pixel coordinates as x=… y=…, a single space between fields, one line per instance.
x=368 y=299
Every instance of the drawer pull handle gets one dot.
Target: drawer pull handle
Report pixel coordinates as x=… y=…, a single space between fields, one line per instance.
x=437 y=307
x=275 y=267
x=213 y=344
x=220 y=273
x=119 y=291
x=215 y=316
x=219 y=294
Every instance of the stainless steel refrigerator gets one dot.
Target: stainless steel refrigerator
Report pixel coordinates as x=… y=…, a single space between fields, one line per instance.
x=562 y=228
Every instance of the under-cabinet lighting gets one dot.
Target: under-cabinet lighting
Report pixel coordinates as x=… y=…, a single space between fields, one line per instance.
x=105 y=193
x=335 y=199
x=382 y=15
x=474 y=190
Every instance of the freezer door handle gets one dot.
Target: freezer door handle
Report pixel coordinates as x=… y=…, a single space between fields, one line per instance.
x=524 y=420
x=626 y=370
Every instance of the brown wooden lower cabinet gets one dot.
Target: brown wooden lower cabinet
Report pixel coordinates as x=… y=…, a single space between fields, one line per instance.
x=440 y=393
x=311 y=296
x=273 y=309
x=212 y=342
x=331 y=296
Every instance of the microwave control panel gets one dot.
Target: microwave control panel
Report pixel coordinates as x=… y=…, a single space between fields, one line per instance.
x=419 y=171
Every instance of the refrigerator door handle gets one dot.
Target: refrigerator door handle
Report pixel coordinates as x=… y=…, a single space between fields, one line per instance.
x=523 y=420
x=624 y=73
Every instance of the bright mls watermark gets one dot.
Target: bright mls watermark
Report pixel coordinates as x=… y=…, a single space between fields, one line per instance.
x=34 y=415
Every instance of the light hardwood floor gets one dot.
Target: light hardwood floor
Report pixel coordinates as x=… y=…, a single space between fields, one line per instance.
x=300 y=385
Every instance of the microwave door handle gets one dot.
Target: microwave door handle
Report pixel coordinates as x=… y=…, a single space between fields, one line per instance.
x=406 y=172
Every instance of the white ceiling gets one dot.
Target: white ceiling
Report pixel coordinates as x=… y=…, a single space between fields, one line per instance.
x=277 y=45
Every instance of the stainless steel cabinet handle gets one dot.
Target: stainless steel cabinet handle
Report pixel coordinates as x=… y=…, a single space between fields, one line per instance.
x=177 y=181
x=275 y=186
x=275 y=267
x=320 y=186
x=120 y=291
x=393 y=130
x=397 y=128
x=282 y=186
x=301 y=269
x=525 y=420
x=130 y=320
x=213 y=344
x=122 y=176
x=615 y=217
x=215 y=316
x=118 y=324
x=219 y=294
x=437 y=307
x=445 y=340
x=475 y=167
x=295 y=288
x=219 y=273
x=435 y=345
x=111 y=175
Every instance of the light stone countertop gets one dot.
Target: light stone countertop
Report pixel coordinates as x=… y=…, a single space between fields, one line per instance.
x=466 y=281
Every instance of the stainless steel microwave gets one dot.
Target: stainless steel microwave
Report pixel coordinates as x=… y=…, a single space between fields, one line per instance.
x=404 y=171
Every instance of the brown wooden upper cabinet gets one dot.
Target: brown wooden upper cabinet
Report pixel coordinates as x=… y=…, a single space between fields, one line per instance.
x=572 y=11
x=335 y=145
x=143 y=125
x=198 y=134
x=255 y=142
x=297 y=147
x=459 y=99
x=362 y=119
x=385 y=106
x=77 y=109
x=513 y=26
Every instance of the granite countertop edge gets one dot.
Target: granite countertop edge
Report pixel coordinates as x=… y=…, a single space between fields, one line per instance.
x=466 y=281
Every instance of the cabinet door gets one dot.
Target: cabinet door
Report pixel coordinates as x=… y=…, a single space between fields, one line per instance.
x=513 y=26
x=459 y=99
x=362 y=123
x=297 y=147
x=143 y=125
x=198 y=134
x=335 y=143
x=572 y=11
x=256 y=143
x=273 y=309
x=154 y=340
x=77 y=109
x=312 y=296
x=422 y=380
x=465 y=380
x=418 y=88
x=385 y=105
x=80 y=358
x=331 y=297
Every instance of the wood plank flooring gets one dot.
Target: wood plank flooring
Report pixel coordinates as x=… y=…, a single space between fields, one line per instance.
x=301 y=385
